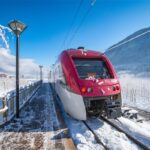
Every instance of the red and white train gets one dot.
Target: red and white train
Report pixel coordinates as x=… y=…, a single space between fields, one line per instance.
x=87 y=84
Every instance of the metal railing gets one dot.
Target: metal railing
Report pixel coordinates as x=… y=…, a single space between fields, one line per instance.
x=8 y=102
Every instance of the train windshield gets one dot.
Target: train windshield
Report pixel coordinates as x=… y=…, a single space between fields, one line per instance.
x=91 y=68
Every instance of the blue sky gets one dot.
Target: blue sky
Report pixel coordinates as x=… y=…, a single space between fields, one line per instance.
x=108 y=22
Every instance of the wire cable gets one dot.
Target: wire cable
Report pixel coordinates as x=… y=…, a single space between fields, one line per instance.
x=72 y=23
x=83 y=19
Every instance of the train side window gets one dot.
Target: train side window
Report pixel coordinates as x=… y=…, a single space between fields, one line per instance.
x=61 y=75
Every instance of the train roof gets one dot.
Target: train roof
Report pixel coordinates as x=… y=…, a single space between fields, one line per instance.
x=83 y=52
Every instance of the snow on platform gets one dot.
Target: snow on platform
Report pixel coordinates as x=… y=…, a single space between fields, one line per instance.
x=38 y=127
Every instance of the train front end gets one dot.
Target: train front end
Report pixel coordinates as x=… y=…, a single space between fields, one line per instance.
x=98 y=84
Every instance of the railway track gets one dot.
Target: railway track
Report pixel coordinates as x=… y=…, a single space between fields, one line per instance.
x=99 y=141
x=141 y=113
x=61 y=109
x=140 y=144
x=97 y=138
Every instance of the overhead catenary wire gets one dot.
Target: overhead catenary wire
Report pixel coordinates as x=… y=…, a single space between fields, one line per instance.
x=83 y=19
x=117 y=45
x=72 y=23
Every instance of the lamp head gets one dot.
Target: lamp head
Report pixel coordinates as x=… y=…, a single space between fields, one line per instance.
x=41 y=66
x=17 y=27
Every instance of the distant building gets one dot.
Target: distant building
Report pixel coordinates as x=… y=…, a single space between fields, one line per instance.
x=11 y=76
x=3 y=75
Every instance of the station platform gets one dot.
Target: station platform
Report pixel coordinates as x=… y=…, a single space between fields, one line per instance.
x=40 y=126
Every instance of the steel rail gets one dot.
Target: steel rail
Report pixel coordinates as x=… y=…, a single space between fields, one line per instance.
x=96 y=137
x=127 y=134
x=116 y=127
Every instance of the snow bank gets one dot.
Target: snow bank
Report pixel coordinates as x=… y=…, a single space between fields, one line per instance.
x=135 y=91
x=142 y=134
x=83 y=138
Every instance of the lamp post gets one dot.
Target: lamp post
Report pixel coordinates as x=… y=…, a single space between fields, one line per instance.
x=41 y=74
x=17 y=27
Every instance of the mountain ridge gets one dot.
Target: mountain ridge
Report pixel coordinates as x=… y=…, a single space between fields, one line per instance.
x=134 y=34
x=133 y=56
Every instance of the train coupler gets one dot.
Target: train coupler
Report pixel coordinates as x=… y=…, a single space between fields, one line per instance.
x=113 y=109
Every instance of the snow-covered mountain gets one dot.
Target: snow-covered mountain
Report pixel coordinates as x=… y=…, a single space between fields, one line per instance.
x=133 y=53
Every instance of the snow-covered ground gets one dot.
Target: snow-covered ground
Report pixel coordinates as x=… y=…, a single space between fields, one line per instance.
x=40 y=128
x=113 y=139
x=135 y=91
x=110 y=136
x=84 y=139
x=140 y=131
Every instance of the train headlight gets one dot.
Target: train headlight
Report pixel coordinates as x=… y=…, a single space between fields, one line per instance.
x=90 y=90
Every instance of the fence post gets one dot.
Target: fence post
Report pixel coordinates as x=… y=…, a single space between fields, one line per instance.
x=5 y=114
